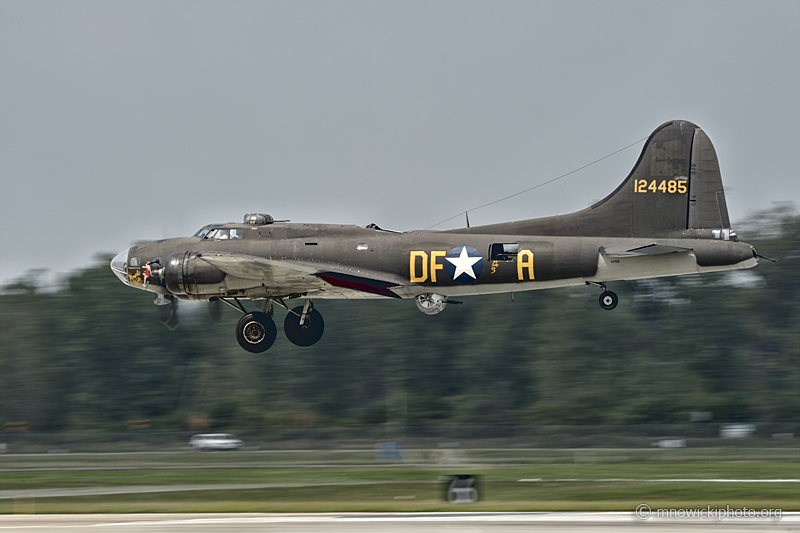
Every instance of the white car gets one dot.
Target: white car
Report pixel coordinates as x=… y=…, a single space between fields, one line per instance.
x=215 y=441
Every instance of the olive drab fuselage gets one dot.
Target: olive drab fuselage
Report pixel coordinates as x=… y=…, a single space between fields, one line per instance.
x=416 y=261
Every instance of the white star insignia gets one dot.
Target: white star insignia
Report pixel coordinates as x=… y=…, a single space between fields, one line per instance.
x=463 y=263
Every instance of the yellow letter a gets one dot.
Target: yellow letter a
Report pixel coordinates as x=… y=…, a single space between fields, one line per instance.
x=524 y=260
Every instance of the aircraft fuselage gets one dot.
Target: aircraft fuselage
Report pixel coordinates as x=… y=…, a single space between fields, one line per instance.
x=417 y=262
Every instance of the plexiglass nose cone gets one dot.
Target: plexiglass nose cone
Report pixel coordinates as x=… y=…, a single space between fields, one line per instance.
x=119 y=266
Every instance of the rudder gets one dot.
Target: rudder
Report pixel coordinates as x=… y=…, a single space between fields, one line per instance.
x=707 y=205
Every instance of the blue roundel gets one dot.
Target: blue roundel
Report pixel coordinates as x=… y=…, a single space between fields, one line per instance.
x=464 y=264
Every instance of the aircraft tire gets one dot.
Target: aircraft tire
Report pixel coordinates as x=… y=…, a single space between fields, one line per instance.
x=256 y=332
x=608 y=300
x=307 y=334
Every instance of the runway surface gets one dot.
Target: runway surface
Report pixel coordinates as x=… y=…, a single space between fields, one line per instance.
x=388 y=522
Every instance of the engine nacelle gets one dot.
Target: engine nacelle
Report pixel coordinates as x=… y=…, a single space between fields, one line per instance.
x=188 y=276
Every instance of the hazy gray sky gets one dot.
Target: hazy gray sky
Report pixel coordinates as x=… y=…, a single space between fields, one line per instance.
x=124 y=121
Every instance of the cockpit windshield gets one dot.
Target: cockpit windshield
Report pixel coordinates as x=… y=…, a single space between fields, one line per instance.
x=219 y=234
x=224 y=234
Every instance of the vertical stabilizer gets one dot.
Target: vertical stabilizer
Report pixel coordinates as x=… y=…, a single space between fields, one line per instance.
x=674 y=189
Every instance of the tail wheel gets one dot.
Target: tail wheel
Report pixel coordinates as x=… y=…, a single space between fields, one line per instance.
x=608 y=300
x=307 y=334
x=256 y=332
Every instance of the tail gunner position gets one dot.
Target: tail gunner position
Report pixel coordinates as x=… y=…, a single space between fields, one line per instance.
x=667 y=218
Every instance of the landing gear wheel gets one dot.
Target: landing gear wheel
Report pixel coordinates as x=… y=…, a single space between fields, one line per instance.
x=307 y=334
x=256 y=332
x=608 y=300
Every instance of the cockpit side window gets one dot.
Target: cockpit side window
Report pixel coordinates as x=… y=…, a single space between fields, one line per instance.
x=202 y=232
x=236 y=233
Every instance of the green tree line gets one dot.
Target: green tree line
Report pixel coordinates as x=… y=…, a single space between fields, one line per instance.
x=90 y=353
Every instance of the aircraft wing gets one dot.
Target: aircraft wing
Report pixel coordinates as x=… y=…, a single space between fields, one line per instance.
x=286 y=276
x=643 y=249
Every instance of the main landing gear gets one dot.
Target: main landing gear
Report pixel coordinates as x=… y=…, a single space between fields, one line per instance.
x=256 y=331
x=303 y=325
x=608 y=299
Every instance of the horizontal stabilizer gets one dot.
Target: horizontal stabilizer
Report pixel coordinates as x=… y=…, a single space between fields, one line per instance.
x=646 y=249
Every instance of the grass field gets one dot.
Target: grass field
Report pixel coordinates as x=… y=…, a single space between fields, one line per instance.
x=330 y=481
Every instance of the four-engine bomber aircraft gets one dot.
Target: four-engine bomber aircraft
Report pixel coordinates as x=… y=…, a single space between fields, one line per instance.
x=667 y=218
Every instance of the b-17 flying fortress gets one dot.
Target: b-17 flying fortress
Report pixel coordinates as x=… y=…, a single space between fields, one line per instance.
x=667 y=218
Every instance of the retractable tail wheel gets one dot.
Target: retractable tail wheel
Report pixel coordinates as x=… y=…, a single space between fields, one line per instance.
x=256 y=332
x=608 y=300
x=309 y=332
